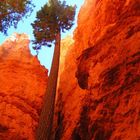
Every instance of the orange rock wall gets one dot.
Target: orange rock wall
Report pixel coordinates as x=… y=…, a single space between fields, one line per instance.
x=98 y=94
x=22 y=85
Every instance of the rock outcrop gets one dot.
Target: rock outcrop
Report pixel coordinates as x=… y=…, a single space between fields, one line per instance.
x=22 y=85
x=103 y=103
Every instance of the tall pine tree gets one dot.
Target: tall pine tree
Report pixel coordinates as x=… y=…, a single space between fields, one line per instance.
x=55 y=17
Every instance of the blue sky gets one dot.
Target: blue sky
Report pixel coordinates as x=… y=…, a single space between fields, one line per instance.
x=45 y=54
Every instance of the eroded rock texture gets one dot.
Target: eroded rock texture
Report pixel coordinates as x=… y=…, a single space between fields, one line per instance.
x=69 y=93
x=22 y=85
x=103 y=103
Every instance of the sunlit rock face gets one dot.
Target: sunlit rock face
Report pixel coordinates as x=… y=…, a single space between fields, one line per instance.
x=103 y=103
x=69 y=93
x=22 y=85
x=66 y=44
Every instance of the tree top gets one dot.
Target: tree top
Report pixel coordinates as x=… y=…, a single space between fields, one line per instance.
x=53 y=18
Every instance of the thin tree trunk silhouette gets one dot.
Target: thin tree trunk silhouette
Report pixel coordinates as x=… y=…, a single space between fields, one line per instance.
x=44 y=129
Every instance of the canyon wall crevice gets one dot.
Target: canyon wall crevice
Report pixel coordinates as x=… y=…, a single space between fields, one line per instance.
x=98 y=94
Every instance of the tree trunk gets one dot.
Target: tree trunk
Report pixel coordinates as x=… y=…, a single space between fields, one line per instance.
x=44 y=129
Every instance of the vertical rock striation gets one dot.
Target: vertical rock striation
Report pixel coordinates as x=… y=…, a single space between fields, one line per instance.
x=103 y=103
x=69 y=93
x=22 y=85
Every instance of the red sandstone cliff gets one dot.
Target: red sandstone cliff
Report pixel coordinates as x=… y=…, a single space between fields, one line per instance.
x=22 y=85
x=99 y=88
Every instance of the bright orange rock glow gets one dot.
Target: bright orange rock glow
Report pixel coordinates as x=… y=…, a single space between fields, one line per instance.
x=103 y=103
x=99 y=78
x=22 y=85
